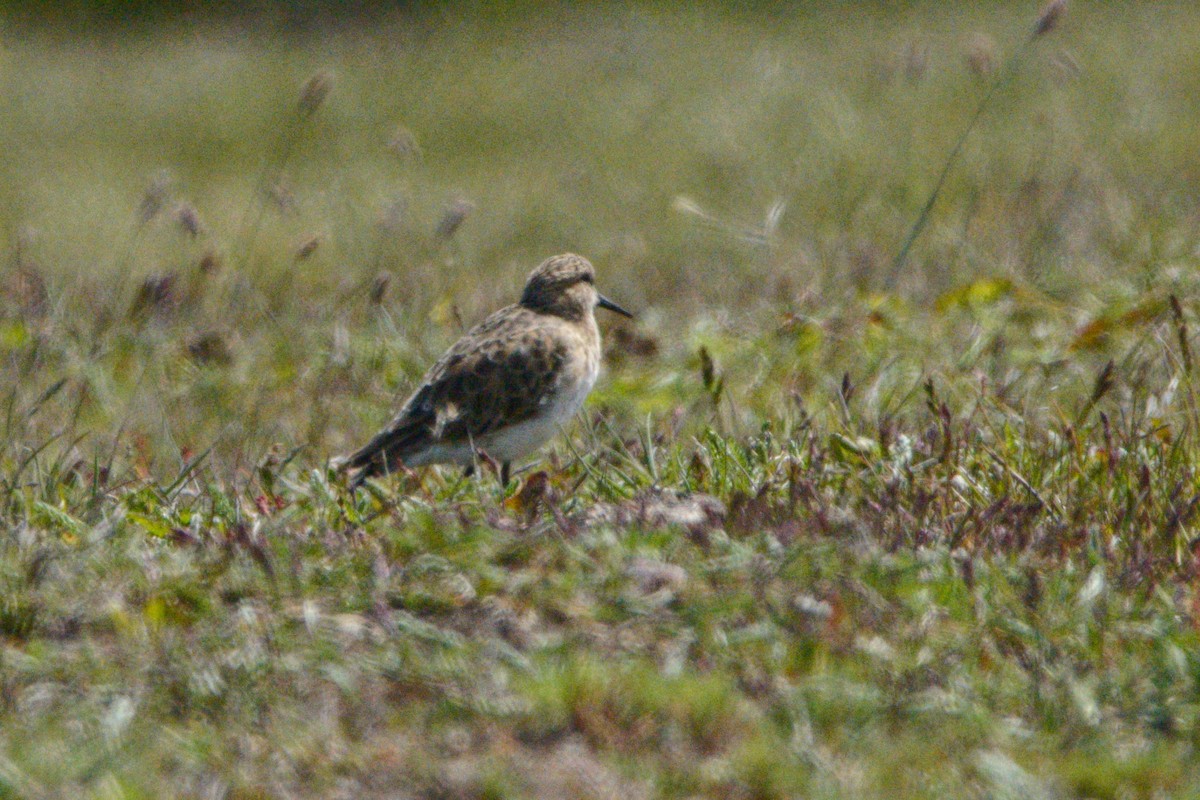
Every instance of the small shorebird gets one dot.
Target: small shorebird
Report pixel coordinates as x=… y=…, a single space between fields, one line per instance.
x=505 y=387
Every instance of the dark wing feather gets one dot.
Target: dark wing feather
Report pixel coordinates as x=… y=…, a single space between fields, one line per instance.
x=407 y=433
x=496 y=372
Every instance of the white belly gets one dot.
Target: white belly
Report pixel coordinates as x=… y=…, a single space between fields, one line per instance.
x=518 y=441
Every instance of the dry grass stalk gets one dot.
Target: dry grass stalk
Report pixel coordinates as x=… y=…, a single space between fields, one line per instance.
x=312 y=95
x=1049 y=19
x=1181 y=333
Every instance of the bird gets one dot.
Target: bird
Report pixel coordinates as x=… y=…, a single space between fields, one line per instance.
x=506 y=387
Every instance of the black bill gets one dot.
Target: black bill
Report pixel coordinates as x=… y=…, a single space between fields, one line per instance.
x=604 y=302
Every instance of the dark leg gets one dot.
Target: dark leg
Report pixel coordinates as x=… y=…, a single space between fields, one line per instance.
x=469 y=471
x=504 y=475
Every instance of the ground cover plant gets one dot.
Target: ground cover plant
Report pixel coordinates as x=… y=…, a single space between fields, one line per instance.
x=889 y=491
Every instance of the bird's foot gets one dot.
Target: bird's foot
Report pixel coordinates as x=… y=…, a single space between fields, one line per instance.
x=500 y=469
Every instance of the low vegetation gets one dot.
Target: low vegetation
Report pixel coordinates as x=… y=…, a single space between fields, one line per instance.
x=845 y=517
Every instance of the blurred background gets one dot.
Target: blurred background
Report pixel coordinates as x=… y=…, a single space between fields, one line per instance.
x=889 y=490
x=207 y=251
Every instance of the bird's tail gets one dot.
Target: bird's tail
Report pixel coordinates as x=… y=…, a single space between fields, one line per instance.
x=385 y=453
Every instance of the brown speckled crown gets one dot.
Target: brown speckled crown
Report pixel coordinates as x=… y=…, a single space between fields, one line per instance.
x=563 y=286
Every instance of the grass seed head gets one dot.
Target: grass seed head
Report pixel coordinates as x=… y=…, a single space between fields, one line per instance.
x=210 y=348
x=209 y=264
x=379 y=288
x=308 y=247
x=626 y=341
x=391 y=218
x=281 y=194
x=189 y=219
x=1051 y=15
x=156 y=295
x=404 y=144
x=26 y=287
x=155 y=197
x=916 y=61
x=314 y=92
x=981 y=55
x=455 y=214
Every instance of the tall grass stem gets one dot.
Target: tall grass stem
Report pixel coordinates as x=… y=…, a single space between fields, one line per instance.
x=1046 y=22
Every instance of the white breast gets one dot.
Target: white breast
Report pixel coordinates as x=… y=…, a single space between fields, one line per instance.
x=518 y=441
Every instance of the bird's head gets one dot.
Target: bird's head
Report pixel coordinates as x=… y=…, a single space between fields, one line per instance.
x=566 y=287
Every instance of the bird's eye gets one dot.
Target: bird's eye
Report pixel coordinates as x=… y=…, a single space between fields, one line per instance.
x=588 y=278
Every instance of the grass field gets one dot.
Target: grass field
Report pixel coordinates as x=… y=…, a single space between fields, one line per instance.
x=832 y=525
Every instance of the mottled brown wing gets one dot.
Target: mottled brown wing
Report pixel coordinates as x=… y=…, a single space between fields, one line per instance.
x=499 y=380
x=498 y=374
